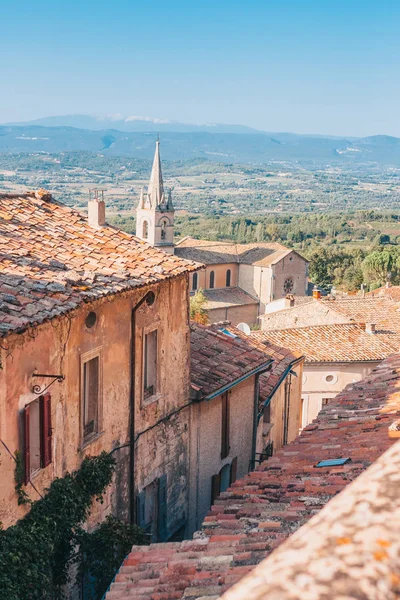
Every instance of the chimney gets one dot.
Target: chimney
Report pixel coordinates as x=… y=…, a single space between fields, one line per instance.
x=370 y=328
x=316 y=294
x=388 y=285
x=96 y=208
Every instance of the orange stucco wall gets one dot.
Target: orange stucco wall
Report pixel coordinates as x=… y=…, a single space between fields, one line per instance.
x=57 y=347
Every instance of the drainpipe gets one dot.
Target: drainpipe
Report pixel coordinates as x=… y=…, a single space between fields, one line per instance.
x=149 y=299
x=288 y=384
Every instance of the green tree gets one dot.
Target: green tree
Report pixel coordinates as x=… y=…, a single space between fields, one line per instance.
x=198 y=312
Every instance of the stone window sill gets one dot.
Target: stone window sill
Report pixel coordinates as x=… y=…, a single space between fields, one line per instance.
x=90 y=439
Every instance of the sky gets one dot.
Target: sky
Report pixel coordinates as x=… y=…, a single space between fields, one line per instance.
x=306 y=66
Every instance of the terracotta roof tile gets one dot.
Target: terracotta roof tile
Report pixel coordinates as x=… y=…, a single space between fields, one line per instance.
x=207 y=252
x=52 y=260
x=264 y=508
x=226 y=297
x=344 y=342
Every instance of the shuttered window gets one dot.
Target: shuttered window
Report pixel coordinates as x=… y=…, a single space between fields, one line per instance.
x=225 y=425
x=90 y=396
x=37 y=436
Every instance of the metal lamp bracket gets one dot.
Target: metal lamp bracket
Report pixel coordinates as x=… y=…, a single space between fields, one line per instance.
x=38 y=390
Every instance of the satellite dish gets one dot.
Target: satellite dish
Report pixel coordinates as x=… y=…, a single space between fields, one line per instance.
x=244 y=327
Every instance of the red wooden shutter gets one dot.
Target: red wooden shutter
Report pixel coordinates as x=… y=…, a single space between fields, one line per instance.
x=27 y=453
x=45 y=430
x=233 y=474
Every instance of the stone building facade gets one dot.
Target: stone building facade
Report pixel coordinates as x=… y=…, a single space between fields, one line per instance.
x=246 y=403
x=108 y=316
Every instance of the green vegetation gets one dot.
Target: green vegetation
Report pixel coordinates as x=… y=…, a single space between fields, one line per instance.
x=36 y=554
x=198 y=312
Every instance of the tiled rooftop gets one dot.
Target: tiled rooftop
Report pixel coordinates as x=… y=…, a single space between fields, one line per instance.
x=392 y=291
x=227 y=297
x=218 y=359
x=264 y=508
x=203 y=251
x=343 y=342
x=52 y=261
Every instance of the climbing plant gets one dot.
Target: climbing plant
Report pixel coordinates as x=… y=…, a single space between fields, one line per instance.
x=35 y=553
x=102 y=552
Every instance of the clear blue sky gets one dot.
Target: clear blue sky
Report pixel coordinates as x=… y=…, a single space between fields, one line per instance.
x=306 y=66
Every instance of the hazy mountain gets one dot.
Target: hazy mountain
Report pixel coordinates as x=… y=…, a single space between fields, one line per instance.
x=131 y=124
x=253 y=148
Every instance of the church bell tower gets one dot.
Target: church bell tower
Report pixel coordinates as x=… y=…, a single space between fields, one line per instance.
x=155 y=212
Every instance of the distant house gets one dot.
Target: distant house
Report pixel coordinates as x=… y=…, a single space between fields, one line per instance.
x=246 y=405
x=335 y=356
x=379 y=313
x=239 y=280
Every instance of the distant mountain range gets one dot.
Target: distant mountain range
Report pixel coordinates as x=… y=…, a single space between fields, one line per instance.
x=221 y=143
x=131 y=124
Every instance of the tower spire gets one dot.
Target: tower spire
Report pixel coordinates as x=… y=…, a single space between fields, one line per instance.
x=155 y=190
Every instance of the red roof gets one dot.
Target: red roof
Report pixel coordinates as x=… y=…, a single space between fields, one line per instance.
x=51 y=261
x=264 y=508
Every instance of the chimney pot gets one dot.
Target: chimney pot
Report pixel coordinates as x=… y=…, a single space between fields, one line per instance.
x=96 y=210
x=316 y=293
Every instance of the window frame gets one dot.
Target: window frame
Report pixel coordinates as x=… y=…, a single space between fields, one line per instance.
x=154 y=396
x=44 y=433
x=212 y=280
x=195 y=282
x=85 y=358
x=228 y=278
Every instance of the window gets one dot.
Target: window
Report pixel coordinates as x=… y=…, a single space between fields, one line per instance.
x=37 y=435
x=150 y=364
x=90 y=396
x=145 y=232
x=151 y=510
x=228 y=278
x=91 y=390
x=325 y=401
x=194 y=282
x=331 y=378
x=163 y=230
x=222 y=480
x=288 y=285
x=225 y=425
x=212 y=279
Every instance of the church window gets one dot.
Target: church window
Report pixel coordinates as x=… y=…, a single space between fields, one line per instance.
x=228 y=278
x=288 y=285
x=194 y=282
x=163 y=230
x=212 y=280
x=145 y=233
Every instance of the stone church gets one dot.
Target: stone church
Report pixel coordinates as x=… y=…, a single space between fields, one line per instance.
x=239 y=280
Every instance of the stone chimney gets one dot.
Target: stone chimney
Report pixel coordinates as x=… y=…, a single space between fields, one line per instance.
x=370 y=328
x=96 y=208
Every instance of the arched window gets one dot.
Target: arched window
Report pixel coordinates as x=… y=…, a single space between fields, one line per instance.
x=212 y=280
x=163 y=231
x=145 y=232
x=228 y=278
x=194 y=282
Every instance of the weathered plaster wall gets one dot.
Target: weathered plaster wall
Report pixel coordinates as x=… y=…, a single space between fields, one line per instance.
x=57 y=347
x=312 y=313
x=316 y=387
x=235 y=314
x=274 y=431
x=206 y=444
